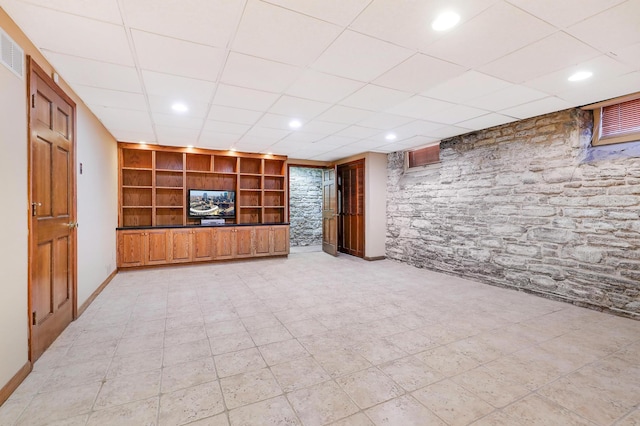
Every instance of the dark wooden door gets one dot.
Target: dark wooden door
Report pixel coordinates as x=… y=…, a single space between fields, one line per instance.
x=351 y=208
x=329 y=201
x=52 y=289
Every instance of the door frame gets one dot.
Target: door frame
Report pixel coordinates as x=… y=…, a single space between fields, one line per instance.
x=33 y=67
x=339 y=206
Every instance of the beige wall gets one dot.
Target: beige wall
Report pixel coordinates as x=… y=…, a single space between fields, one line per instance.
x=375 y=200
x=96 y=202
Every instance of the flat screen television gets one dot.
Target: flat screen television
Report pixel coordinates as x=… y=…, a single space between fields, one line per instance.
x=211 y=203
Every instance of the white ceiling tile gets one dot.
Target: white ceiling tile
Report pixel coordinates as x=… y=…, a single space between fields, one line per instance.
x=488 y=120
x=603 y=68
x=239 y=97
x=322 y=87
x=108 y=42
x=234 y=129
x=612 y=29
x=449 y=131
x=385 y=121
x=566 y=12
x=86 y=72
x=336 y=11
x=629 y=55
x=302 y=138
x=417 y=128
x=506 y=98
x=177 y=88
x=603 y=90
x=267 y=133
x=419 y=73
x=245 y=146
x=368 y=145
x=278 y=34
x=343 y=114
x=133 y=136
x=360 y=57
x=233 y=115
x=298 y=107
x=408 y=23
x=497 y=31
x=419 y=107
x=456 y=114
x=256 y=73
x=176 y=136
x=160 y=104
x=358 y=132
x=105 y=10
x=535 y=108
x=372 y=97
x=415 y=142
x=178 y=57
x=217 y=140
x=333 y=141
x=124 y=119
x=550 y=54
x=469 y=85
x=110 y=98
x=276 y=121
x=253 y=140
x=177 y=120
x=323 y=127
x=209 y=22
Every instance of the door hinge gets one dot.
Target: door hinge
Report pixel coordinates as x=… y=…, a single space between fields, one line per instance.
x=33 y=318
x=33 y=101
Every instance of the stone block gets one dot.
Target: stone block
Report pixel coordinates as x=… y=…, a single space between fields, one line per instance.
x=552 y=235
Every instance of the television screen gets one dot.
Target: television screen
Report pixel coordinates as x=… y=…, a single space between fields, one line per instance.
x=209 y=203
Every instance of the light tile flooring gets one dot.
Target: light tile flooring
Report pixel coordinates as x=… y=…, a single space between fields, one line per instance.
x=314 y=340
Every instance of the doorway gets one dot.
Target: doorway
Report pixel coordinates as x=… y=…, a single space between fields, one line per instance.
x=350 y=185
x=52 y=240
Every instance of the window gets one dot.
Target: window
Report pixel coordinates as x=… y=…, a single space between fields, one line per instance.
x=616 y=121
x=424 y=156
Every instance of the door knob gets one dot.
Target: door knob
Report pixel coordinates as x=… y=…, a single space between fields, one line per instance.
x=72 y=225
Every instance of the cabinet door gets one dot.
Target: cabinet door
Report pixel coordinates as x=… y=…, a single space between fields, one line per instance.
x=244 y=241
x=181 y=245
x=157 y=247
x=202 y=244
x=262 y=241
x=130 y=248
x=280 y=241
x=224 y=243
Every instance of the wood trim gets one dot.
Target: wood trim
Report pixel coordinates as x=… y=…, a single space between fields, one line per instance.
x=308 y=163
x=618 y=100
x=14 y=382
x=153 y=147
x=97 y=292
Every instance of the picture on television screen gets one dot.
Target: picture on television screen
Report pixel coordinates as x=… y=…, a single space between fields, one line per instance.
x=212 y=203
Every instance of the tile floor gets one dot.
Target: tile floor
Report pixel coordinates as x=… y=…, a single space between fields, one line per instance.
x=315 y=340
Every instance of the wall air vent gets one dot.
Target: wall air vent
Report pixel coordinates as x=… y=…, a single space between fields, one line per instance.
x=11 y=55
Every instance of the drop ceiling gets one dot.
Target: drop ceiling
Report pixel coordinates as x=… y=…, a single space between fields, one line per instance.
x=351 y=71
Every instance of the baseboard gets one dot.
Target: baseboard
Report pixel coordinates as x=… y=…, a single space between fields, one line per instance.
x=14 y=382
x=375 y=257
x=95 y=294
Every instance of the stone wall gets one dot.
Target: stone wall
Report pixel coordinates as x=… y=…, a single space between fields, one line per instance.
x=527 y=205
x=305 y=206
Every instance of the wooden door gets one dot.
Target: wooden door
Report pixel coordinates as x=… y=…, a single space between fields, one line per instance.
x=202 y=244
x=52 y=260
x=130 y=248
x=351 y=208
x=157 y=247
x=181 y=250
x=244 y=241
x=329 y=197
x=224 y=243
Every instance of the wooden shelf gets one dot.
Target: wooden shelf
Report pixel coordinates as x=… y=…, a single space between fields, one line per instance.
x=154 y=181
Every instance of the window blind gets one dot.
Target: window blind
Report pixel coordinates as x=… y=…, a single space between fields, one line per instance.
x=620 y=119
x=424 y=156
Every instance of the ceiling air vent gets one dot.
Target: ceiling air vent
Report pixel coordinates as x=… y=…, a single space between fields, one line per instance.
x=12 y=56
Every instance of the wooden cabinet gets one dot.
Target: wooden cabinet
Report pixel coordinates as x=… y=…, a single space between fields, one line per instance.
x=153 y=184
x=193 y=244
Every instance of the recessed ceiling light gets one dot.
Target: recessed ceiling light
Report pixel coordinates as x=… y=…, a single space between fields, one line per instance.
x=179 y=107
x=295 y=124
x=445 y=21
x=580 y=75
x=390 y=136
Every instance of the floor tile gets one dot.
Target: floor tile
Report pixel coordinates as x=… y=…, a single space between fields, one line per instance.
x=138 y=362
x=187 y=374
x=64 y=403
x=179 y=336
x=279 y=352
x=247 y=388
x=358 y=419
x=410 y=373
x=447 y=361
x=536 y=410
x=144 y=412
x=493 y=388
x=299 y=373
x=85 y=372
x=339 y=363
x=403 y=411
x=219 y=420
x=124 y=389
x=275 y=411
x=305 y=327
x=233 y=363
x=230 y=342
x=187 y=405
x=452 y=403
x=266 y=335
x=369 y=387
x=321 y=404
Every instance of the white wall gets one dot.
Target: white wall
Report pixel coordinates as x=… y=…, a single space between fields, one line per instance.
x=96 y=206
x=14 y=214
